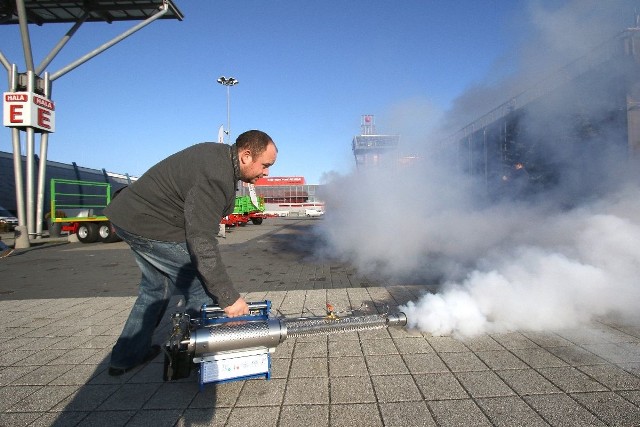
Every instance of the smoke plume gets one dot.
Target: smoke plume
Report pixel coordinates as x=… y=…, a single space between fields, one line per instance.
x=559 y=257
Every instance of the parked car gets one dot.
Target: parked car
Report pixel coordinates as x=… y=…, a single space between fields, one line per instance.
x=277 y=213
x=313 y=212
x=7 y=221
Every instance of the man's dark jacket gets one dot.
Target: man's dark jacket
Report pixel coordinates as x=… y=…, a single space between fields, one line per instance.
x=183 y=198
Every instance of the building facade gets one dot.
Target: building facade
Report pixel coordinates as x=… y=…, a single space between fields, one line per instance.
x=574 y=133
x=289 y=195
x=53 y=170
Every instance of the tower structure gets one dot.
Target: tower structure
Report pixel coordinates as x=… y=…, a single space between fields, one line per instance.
x=372 y=149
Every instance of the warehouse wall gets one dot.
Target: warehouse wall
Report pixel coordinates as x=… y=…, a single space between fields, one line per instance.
x=53 y=170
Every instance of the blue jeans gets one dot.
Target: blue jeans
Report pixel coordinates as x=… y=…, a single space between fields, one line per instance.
x=166 y=268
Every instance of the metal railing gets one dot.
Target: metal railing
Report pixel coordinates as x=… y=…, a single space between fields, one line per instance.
x=78 y=200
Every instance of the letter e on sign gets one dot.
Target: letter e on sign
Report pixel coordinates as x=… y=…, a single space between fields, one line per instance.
x=43 y=118
x=15 y=114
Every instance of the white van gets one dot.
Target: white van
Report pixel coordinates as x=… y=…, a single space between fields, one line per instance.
x=313 y=212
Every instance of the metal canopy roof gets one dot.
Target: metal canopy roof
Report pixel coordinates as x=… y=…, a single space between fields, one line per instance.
x=47 y=12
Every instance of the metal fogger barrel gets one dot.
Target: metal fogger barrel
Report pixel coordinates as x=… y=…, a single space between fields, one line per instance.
x=229 y=349
x=327 y=325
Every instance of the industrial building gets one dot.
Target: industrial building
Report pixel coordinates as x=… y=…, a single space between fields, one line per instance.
x=574 y=132
x=289 y=195
x=53 y=170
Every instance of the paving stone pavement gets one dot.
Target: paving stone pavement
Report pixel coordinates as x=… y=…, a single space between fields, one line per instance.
x=64 y=304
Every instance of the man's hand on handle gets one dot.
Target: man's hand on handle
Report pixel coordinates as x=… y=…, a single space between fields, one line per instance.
x=238 y=308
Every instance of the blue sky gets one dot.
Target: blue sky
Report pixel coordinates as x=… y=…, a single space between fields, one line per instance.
x=307 y=72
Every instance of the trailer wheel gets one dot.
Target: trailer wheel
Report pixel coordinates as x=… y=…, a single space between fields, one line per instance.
x=256 y=221
x=107 y=234
x=88 y=232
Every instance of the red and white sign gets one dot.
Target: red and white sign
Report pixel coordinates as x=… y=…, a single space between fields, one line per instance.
x=280 y=180
x=27 y=109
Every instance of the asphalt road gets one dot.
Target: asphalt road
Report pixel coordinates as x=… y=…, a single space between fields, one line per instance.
x=275 y=255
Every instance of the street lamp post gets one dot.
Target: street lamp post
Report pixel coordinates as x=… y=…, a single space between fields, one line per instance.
x=228 y=82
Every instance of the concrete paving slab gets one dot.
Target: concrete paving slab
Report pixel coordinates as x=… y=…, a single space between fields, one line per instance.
x=424 y=363
x=347 y=366
x=64 y=305
x=527 y=381
x=395 y=388
x=406 y=414
x=613 y=409
x=510 y=411
x=483 y=384
x=353 y=414
x=353 y=389
x=562 y=410
x=464 y=412
x=305 y=415
x=500 y=359
x=463 y=362
x=571 y=380
x=440 y=386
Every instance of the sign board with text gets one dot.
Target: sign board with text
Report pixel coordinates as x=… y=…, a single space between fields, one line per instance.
x=28 y=109
x=280 y=180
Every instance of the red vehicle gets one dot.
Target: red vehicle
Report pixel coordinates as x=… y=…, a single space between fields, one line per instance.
x=247 y=209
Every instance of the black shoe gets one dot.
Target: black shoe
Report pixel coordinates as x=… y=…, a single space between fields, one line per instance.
x=153 y=352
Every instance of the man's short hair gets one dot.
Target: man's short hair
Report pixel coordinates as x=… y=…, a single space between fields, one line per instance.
x=255 y=141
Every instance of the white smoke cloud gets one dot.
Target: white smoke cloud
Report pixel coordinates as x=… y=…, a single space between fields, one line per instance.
x=588 y=267
x=516 y=266
x=538 y=264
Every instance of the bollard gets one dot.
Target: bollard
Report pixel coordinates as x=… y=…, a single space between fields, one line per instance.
x=21 y=236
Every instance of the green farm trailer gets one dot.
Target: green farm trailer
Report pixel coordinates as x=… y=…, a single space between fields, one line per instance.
x=247 y=209
x=77 y=206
